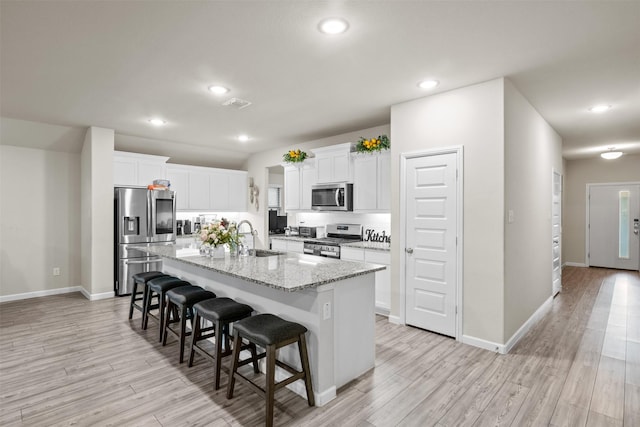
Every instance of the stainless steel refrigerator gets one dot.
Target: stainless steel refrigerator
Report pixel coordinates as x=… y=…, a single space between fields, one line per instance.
x=142 y=218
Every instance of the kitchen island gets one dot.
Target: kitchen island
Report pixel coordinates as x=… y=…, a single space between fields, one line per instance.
x=333 y=299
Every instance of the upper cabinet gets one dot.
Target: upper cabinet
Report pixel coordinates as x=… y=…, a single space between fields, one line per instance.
x=371 y=182
x=197 y=188
x=137 y=169
x=228 y=190
x=333 y=163
x=298 y=180
x=208 y=189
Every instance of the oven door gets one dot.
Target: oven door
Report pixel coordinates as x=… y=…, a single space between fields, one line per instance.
x=328 y=251
x=162 y=221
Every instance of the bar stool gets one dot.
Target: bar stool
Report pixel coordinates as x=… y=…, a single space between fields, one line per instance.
x=141 y=279
x=158 y=287
x=270 y=332
x=221 y=312
x=180 y=302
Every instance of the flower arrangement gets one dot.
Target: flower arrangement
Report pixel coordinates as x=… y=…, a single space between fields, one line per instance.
x=294 y=156
x=374 y=144
x=218 y=233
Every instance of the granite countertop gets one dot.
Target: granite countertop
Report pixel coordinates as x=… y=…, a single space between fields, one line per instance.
x=287 y=272
x=294 y=238
x=376 y=246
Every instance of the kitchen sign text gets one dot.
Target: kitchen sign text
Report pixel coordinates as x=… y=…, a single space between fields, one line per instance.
x=371 y=235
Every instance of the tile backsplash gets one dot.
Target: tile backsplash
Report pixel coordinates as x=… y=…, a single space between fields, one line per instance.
x=380 y=223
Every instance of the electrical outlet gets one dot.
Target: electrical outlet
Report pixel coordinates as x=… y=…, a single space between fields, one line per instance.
x=510 y=216
x=326 y=311
x=56 y=271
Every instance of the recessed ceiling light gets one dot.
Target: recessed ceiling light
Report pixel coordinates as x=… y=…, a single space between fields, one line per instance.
x=157 y=122
x=428 y=84
x=333 y=26
x=218 y=90
x=599 y=108
x=243 y=138
x=611 y=154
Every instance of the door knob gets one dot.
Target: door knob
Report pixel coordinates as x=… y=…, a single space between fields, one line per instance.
x=409 y=250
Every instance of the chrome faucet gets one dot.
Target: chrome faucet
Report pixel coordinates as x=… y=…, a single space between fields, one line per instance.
x=253 y=235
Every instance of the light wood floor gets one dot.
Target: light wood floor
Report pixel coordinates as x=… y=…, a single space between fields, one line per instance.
x=67 y=361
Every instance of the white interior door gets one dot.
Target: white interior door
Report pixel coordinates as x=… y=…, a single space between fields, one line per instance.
x=614 y=216
x=556 y=232
x=431 y=233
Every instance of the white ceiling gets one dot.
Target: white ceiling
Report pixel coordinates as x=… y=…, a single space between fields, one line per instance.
x=116 y=64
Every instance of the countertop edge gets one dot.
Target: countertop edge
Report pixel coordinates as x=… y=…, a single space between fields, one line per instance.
x=372 y=268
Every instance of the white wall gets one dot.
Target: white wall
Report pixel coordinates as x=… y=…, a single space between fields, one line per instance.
x=532 y=150
x=97 y=212
x=471 y=117
x=39 y=218
x=257 y=166
x=579 y=173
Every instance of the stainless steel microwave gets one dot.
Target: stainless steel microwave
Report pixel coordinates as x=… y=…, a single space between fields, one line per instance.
x=332 y=197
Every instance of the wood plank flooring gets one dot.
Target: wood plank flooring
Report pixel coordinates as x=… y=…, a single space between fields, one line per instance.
x=67 y=361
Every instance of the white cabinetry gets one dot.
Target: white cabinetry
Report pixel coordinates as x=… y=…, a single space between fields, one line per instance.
x=137 y=169
x=199 y=190
x=228 y=190
x=178 y=176
x=208 y=189
x=287 y=245
x=371 y=182
x=298 y=180
x=383 y=278
x=333 y=163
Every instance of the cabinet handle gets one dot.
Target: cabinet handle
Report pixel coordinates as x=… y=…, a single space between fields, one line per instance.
x=409 y=250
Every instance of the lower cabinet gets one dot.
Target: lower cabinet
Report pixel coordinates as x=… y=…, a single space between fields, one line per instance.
x=287 y=245
x=383 y=278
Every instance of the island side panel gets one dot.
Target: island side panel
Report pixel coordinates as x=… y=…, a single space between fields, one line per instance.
x=304 y=307
x=354 y=314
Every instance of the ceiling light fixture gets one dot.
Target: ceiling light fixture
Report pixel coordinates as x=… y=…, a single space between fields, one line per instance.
x=611 y=155
x=157 y=122
x=428 y=84
x=243 y=138
x=333 y=26
x=218 y=90
x=600 y=108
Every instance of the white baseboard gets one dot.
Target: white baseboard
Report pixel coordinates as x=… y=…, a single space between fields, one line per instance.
x=480 y=343
x=530 y=323
x=95 y=297
x=58 y=291
x=395 y=320
x=37 y=294
x=298 y=387
x=506 y=348
x=574 y=264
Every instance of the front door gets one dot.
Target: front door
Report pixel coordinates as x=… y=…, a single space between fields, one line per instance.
x=614 y=222
x=431 y=235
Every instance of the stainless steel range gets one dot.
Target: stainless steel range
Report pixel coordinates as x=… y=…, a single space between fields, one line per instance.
x=336 y=234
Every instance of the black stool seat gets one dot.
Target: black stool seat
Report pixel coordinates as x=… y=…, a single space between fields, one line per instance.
x=221 y=312
x=182 y=299
x=189 y=295
x=272 y=333
x=145 y=277
x=267 y=329
x=158 y=286
x=224 y=309
x=141 y=279
x=166 y=283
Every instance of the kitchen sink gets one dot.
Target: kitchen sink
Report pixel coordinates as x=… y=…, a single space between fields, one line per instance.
x=265 y=253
